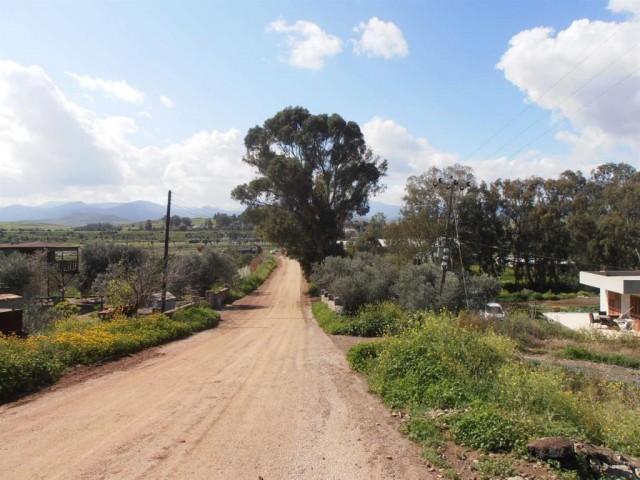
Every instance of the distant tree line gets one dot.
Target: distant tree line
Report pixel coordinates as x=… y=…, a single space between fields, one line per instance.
x=546 y=229
x=99 y=227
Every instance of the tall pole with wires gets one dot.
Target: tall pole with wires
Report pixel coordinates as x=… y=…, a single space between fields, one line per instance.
x=452 y=184
x=165 y=264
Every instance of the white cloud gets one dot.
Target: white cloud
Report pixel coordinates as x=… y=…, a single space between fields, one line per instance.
x=410 y=155
x=52 y=149
x=166 y=101
x=118 y=89
x=46 y=141
x=625 y=6
x=308 y=44
x=380 y=39
x=407 y=155
x=595 y=65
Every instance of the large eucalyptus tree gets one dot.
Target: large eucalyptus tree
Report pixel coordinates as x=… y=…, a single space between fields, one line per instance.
x=314 y=173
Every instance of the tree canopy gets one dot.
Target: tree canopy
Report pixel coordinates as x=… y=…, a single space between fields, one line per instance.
x=314 y=173
x=543 y=228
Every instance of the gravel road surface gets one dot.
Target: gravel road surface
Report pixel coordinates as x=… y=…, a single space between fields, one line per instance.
x=266 y=395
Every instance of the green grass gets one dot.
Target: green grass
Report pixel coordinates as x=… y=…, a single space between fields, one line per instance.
x=497 y=403
x=255 y=279
x=575 y=352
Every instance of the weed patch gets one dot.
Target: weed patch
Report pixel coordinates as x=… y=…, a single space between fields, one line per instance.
x=582 y=353
x=252 y=281
x=496 y=402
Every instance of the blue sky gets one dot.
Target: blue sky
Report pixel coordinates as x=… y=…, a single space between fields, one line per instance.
x=116 y=101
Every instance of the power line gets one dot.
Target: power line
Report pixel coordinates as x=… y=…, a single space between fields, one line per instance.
x=544 y=257
x=577 y=110
x=519 y=114
x=544 y=114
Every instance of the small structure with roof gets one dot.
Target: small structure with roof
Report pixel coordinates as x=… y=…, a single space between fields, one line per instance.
x=62 y=256
x=619 y=294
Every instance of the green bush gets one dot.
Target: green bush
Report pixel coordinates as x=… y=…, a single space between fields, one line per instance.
x=438 y=364
x=489 y=429
x=361 y=356
x=423 y=430
x=249 y=283
x=386 y=318
x=330 y=321
x=501 y=403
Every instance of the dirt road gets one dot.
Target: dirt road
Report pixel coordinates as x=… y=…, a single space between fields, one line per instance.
x=265 y=395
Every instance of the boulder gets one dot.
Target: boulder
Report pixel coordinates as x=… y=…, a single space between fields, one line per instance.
x=554 y=448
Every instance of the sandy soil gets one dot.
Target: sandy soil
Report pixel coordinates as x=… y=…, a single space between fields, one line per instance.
x=265 y=395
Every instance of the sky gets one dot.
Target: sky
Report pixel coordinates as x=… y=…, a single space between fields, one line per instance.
x=115 y=101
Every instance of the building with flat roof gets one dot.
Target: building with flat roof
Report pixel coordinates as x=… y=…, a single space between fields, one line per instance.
x=619 y=292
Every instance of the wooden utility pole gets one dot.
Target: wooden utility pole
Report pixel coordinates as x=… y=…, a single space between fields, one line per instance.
x=165 y=264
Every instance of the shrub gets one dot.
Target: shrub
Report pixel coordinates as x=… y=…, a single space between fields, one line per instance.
x=361 y=356
x=251 y=282
x=489 y=429
x=329 y=321
x=63 y=310
x=363 y=279
x=369 y=279
x=438 y=365
x=386 y=318
x=424 y=431
x=501 y=403
x=26 y=365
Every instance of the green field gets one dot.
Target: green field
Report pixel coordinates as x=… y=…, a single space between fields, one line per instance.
x=237 y=235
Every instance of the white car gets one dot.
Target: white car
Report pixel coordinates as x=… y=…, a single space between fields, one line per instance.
x=493 y=310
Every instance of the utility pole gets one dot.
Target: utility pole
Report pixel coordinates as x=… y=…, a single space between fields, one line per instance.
x=165 y=264
x=451 y=185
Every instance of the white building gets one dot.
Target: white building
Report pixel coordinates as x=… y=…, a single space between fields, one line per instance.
x=619 y=292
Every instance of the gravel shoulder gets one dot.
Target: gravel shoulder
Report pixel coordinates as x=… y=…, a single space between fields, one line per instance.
x=265 y=395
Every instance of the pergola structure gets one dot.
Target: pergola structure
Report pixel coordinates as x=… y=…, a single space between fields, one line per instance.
x=64 y=258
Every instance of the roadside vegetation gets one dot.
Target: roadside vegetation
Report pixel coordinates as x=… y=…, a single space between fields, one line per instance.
x=486 y=385
x=471 y=385
x=65 y=339
x=125 y=276
x=27 y=364
x=249 y=283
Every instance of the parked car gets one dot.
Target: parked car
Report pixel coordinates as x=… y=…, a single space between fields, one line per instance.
x=493 y=311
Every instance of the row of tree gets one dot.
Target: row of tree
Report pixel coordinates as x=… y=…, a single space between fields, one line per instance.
x=543 y=228
x=315 y=172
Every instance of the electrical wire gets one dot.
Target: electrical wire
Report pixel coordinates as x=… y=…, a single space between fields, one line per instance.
x=464 y=282
x=544 y=257
x=519 y=114
x=544 y=114
x=553 y=127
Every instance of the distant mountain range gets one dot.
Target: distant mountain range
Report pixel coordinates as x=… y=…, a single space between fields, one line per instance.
x=75 y=214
